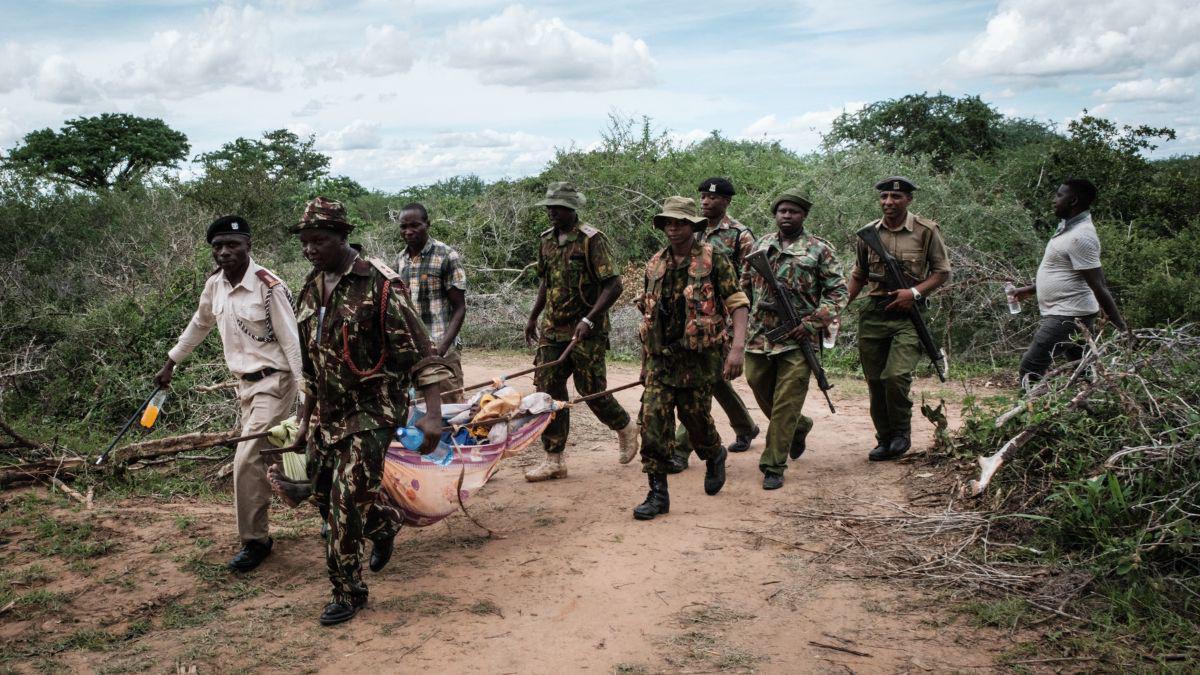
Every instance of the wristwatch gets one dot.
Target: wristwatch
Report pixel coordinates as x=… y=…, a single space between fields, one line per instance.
x=588 y=322
x=916 y=293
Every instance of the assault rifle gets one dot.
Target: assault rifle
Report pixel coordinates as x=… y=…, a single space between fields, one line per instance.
x=895 y=281
x=788 y=320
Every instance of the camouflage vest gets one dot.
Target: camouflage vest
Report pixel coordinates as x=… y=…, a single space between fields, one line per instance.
x=705 y=323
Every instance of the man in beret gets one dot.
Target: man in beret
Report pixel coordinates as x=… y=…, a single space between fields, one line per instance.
x=888 y=346
x=692 y=296
x=579 y=283
x=777 y=371
x=364 y=346
x=252 y=309
x=734 y=241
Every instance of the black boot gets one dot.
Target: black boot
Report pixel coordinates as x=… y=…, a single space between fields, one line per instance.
x=895 y=448
x=798 y=447
x=714 y=474
x=677 y=463
x=741 y=442
x=382 y=553
x=340 y=611
x=251 y=555
x=658 y=502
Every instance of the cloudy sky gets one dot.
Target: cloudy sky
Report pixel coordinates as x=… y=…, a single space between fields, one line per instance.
x=410 y=91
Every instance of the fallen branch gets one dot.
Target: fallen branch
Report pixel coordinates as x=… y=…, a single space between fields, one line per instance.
x=209 y=388
x=33 y=471
x=18 y=439
x=836 y=648
x=162 y=447
x=71 y=492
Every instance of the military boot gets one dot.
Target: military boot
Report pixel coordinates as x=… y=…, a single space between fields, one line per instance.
x=714 y=473
x=658 y=502
x=627 y=439
x=895 y=449
x=550 y=468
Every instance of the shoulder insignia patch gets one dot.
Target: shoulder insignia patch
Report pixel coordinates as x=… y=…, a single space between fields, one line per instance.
x=267 y=278
x=588 y=231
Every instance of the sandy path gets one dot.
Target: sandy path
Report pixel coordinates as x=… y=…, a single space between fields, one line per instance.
x=572 y=584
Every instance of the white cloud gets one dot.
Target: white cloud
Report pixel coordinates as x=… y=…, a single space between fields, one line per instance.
x=801 y=133
x=10 y=133
x=232 y=47
x=1167 y=89
x=1033 y=38
x=385 y=51
x=520 y=47
x=358 y=135
x=15 y=67
x=59 y=81
x=313 y=107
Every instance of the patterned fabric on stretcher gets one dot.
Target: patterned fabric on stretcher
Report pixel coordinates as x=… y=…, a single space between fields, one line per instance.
x=424 y=490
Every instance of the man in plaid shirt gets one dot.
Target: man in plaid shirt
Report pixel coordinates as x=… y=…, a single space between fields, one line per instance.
x=437 y=284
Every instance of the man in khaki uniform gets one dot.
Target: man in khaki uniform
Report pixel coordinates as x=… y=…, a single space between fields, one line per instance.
x=888 y=346
x=252 y=309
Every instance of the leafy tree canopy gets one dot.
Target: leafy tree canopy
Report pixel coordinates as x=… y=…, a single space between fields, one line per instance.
x=281 y=155
x=98 y=153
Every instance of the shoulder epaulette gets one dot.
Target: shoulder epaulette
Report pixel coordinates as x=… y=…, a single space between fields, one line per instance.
x=588 y=231
x=545 y=233
x=267 y=278
x=387 y=272
x=926 y=222
x=823 y=241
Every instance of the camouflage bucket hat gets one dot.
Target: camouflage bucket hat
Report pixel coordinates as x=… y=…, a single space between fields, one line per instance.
x=795 y=196
x=563 y=194
x=681 y=208
x=322 y=213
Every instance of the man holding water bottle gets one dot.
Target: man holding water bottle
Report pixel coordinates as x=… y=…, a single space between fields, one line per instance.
x=364 y=345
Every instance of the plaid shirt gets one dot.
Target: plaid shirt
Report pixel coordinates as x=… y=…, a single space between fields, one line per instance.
x=428 y=276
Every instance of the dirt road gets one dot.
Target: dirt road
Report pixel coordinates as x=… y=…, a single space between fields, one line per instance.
x=571 y=584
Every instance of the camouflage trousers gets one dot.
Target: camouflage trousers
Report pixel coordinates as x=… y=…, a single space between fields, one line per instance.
x=586 y=364
x=780 y=385
x=346 y=478
x=660 y=403
x=729 y=400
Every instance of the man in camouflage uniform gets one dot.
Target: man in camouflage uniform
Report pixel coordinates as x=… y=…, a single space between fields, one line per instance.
x=579 y=283
x=691 y=297
x=778 y=375
x=888 y=346
x=364 y=345
x=733 y=240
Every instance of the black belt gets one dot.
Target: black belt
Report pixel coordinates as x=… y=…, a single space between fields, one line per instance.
x=255 y=377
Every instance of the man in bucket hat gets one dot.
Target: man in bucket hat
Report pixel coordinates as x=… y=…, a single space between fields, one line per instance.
x=735 y=241
x=691 y=295
x=579 y=283
x=251 y=307
x=364 y=346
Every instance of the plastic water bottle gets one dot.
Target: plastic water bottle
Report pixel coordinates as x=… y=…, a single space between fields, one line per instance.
x=410 y=437
x=153 y=408
x=831 y=333
x=1010 y=293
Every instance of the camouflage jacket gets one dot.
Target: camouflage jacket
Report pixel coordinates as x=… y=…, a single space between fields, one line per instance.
x=360 y=355
x=684 y=314
x=808 y=270
x=732 y=239
x=573 y=273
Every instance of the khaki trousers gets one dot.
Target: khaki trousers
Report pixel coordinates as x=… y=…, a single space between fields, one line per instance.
x=264 y=404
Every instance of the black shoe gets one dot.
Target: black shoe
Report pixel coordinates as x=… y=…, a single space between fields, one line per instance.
x=338 y=612
x=676 y=464
x=896 y=448
x=741 y=442
x=798 y=449
x=714 y=473
x=658 y=502
x=772 y=481
x=382 y=553
x=877 y=452
x=251 y=555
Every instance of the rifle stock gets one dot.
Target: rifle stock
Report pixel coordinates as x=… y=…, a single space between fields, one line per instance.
x=788 y=321
x=870 y=237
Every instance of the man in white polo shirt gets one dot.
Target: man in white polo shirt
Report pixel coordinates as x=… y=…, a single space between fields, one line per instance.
x=1070 y=286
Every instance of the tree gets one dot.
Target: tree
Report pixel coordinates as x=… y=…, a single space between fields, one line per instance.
x=98 y=153
x=280 y=156
x=940 y=126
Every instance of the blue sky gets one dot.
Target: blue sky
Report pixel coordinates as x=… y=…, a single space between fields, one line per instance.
x=408 y=92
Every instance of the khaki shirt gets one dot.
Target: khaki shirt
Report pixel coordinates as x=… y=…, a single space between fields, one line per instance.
x=917 y=246
x=239 y=312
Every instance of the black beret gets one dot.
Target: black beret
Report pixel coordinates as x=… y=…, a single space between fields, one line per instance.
x=717 y=185
x=895 y=183
x=228 y=225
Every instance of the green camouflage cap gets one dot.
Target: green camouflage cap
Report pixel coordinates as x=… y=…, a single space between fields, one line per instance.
x=680 y=208
x=563 y=194
x=794 y=195
x=322 y=213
